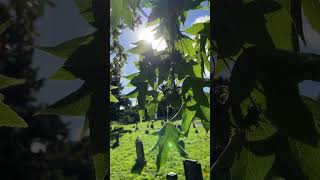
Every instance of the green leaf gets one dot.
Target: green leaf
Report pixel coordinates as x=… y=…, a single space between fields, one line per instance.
x=311 y=9
x=186 y=46
x=132 y=94
x=187 y=117
x=122 y=10
x=220 y=66
x=113 y=87
x=168 y=137
x=195 y=28
x=85 y=128
x=66 y=49
x=62 y=74
x=6 y=81
x=10 y=118
x=4 y=26
x=100 y=164
x=113 y=98
x=142 y=47
x=75 y=104
x=141 y=115
x=307 y=157
x=131 y=76
x=85 y=8
x=245 y=164
x=279 y=25
x=152 y=110
x=153 y=22
x=98 y=125
x=84 y=60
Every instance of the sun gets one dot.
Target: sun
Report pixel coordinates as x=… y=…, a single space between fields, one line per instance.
x=147 y=34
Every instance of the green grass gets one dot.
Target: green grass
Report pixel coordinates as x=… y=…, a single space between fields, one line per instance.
x=123 y=157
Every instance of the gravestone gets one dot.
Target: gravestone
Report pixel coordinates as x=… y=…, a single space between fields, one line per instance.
x=192 y=169
x=117 y=136
x=172 y=176
x=140 y=152
x=152 y=126
x=146 y=131
x=181 y=143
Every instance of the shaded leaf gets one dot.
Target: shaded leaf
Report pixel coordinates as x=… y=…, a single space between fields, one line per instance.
x=63 y=74
x=75 y=104
x=10 y=118
x=6 y=81
x=311 y=9
x=66 y=49
x=132 y=94
x=4 y=26
x=85 y=8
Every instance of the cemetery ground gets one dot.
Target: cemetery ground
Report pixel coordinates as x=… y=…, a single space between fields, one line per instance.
x=123 y=157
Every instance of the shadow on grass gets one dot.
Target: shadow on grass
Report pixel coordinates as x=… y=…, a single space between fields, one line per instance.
x=137 y=168
x=115 y=145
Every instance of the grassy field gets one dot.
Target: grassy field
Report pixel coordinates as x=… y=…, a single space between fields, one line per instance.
x=123 y=156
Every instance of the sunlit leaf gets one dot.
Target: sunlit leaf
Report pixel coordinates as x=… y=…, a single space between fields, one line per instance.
x=113 y=98
x=187 y=117
x=141 y=47
x=152 y=109
x=168 y=137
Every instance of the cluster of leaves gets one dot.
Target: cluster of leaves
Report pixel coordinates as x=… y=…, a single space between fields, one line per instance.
x=85 y=58
x=16 y=33
x=273 y=126
x=176 y=74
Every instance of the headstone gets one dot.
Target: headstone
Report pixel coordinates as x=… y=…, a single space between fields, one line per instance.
x=181 y=143
x=146 y=131
x=196 y=131
x=192 y=169
x=140 y=152
x=172 y=176
x=152 y=126
x=117 y=136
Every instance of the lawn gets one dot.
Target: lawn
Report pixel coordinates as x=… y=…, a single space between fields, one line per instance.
x=123 y=156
